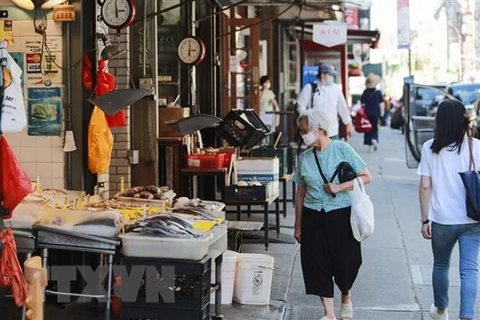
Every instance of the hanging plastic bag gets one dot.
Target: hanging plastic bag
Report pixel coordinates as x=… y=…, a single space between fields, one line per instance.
x=86 y=71
x=11 y=274
x=106 y=83
x=362 y=216
x=13 y=114
x=100 y=142
x=16 y=184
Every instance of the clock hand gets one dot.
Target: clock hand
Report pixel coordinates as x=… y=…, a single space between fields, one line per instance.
x=189 y=50
x=116 y=8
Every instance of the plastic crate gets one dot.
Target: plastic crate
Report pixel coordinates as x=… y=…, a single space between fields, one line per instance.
x=153 y=312
x=205 y=161
x=192 y=284
x=243 y=128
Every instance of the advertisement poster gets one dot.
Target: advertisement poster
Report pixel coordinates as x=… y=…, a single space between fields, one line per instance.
x=6 y=30
x=44 y=111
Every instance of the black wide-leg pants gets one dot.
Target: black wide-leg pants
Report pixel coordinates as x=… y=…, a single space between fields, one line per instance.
x=329 y=252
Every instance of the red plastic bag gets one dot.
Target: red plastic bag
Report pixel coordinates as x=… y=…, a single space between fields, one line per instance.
x=106 y=83
x=11 y=274
x=86 y=71
x=15 y=181
x=362 y=124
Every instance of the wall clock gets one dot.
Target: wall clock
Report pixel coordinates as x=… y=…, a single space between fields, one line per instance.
x=118 y=14
x=191 y=50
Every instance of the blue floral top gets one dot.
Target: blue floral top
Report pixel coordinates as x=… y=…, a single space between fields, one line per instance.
x=307 y=175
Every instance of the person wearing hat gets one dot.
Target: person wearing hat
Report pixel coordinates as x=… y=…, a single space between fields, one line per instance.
x=326 y=95
x=371 y=99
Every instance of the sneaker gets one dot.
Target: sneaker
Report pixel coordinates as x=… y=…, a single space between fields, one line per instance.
x=375 y=145
x=436 y=316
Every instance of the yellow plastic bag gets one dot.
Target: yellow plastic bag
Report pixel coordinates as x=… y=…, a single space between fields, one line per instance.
x=100 y=142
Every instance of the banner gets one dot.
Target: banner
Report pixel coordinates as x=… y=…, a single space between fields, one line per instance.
x=403 y=24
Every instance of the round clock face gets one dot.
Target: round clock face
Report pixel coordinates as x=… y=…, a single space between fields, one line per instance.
x=118 y=14
x=191 y=50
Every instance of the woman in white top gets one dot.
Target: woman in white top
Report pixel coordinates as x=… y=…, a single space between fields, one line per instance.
x=268 y=104
x=443 y=209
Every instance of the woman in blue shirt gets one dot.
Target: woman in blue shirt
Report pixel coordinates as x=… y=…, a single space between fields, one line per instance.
x=329 y=252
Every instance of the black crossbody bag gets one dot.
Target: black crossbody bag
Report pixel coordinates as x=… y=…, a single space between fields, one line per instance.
x=344 y=171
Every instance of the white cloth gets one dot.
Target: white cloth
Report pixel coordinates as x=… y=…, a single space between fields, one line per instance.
x=329 y=98
x=447 y=202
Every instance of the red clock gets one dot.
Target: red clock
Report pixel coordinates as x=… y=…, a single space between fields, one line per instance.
x=191 y=50
x=118 y=14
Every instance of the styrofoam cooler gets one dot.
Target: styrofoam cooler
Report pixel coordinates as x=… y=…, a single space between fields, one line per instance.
x=253 y=279
x=229 y=266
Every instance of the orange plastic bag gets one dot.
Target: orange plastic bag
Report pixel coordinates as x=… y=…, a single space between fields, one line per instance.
x=100 y=143
x=15 y=181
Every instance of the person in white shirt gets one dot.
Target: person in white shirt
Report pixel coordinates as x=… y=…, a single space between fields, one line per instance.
x=327 y=96
x=443 y=207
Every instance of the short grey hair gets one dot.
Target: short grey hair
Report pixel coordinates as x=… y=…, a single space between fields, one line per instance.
x=316 y=119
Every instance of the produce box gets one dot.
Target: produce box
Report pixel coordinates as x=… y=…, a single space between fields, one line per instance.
x=270 y=152
x=258 y=166
x=166 y=114
x=235 y=192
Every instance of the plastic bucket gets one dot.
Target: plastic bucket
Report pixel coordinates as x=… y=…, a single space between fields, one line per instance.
x=229 y=265
x=253 y=280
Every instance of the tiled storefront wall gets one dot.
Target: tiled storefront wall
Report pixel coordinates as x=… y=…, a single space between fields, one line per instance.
x=40 y=156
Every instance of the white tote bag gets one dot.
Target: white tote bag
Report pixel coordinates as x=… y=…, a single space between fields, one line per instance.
x=362 y=217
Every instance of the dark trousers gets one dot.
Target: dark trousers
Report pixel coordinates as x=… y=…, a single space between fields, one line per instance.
x=329 y=252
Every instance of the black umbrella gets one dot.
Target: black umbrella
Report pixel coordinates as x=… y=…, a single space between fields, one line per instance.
x=114 y=101
x=194 y=123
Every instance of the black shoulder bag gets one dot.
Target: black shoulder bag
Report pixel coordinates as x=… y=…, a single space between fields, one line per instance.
x=344 y=171
x=314 y=89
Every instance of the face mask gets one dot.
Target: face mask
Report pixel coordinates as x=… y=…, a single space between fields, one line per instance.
x=309 y=138
x=329 y=80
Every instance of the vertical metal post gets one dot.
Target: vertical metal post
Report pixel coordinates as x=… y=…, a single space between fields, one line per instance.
x=410 y=61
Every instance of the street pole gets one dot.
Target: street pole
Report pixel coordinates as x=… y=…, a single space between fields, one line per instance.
x=409 y=61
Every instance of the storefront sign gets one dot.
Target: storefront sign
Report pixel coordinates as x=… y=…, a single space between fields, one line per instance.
x=44 y=111
x=330 y=34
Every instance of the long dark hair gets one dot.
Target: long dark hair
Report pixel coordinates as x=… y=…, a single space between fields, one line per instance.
x=451 y=125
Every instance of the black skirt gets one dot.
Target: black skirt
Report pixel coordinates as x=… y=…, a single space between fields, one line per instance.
x=329 y=252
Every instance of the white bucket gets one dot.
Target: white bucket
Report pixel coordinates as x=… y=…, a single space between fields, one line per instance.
x=229 y=264
x=253 y=281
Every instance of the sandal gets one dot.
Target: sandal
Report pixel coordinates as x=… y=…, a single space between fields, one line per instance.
x=346 y=311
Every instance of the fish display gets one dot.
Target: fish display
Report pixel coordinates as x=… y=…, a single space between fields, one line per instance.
x=170 y=226
x=148 y=192
x=184 y=202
